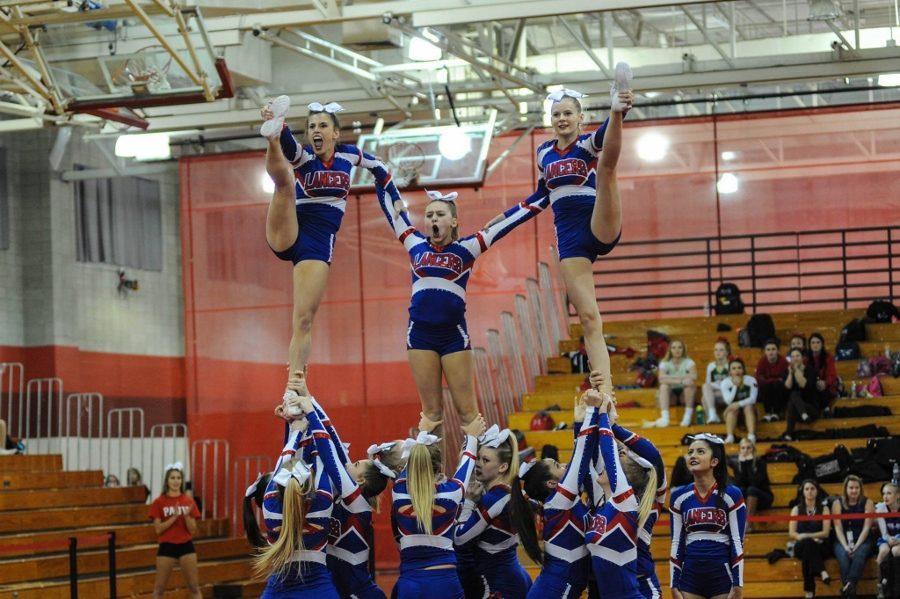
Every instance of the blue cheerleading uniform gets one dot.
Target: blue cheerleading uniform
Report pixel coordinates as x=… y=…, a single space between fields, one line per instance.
x=707 y=557
x=437 y=309
x=487 y=527
x=646 y=570
x=420 y=551
x=612 y=537
x=888 y=527
x=307 y=576
x=348 y=546
x=321 y=188
x=569 y=177
x=564 y=574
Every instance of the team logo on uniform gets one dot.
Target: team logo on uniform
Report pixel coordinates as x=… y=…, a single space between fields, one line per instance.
x=442 y=260
x=598 y=525
x=566 y=167
x=706 y=515
x=326 y=180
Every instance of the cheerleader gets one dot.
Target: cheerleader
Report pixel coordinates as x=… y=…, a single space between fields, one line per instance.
x=175 y=516
x=496 y=516
x=437 y=339
x=311 y=186
x=708 y=518
x=612 y=539
x=888 y=542
x=642 y=452
x=423 y=515
x=565 y=567
x=297 y=508
x=587 y=213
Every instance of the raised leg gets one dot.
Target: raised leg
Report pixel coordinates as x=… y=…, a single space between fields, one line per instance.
x=606 y=217
x=281 y=219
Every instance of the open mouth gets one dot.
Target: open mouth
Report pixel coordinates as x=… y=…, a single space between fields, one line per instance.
x=434 y=230
x=318 y=142
x=694 y=463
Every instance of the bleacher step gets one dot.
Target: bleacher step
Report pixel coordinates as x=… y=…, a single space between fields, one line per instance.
x=72 y=517
x=15 y=481
x=47 y=498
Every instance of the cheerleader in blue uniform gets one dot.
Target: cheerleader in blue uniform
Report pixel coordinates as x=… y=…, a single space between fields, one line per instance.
x=441 y=262
x=555 y=486
x=495 y=517
x=297 y=507
x=630 y=491
x=587 y=213
x=311 y=186
x=708 y=519
x=423 y=515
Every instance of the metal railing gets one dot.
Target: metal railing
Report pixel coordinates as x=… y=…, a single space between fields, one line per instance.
x=83 y=420
x=245 y=470
x=210 y=465
x=171 y=439
x=41 y=396
x=124 y=430
x=820 y=269
x=12 y=393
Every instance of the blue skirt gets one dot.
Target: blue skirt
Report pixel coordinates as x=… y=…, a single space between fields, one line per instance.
x=302 y=580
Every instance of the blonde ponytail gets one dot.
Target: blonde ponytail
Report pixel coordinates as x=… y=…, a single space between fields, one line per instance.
x=275 y=559
x=648 y=498
x=420 y=484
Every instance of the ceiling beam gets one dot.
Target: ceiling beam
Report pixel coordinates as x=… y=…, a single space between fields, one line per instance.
x=587 y=49
x=709 y=40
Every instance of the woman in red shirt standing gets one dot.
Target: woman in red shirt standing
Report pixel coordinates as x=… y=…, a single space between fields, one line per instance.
x=175 y=520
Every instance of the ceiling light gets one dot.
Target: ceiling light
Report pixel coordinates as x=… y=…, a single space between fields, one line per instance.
x=889 y=80
x=727 y=183
x=146 y=146
x=728 y=155
x=454 y=143
x=652 y=146
x=423 y=50
x=650 y=94
x=523 y=107
x=823 y=10
x=268 y=186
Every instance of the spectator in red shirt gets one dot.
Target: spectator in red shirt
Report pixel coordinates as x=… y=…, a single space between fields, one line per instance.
x=826 y=371
x=770 y=373
x=175 y=518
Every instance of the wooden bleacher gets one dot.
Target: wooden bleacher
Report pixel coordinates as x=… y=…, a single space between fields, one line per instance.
x=41 y=506
x=783 y=579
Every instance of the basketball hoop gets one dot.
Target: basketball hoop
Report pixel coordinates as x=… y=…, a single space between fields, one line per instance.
x=405 y=160
x=145 y=72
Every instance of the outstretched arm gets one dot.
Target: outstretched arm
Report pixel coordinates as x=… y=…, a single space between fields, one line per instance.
x=622 y=494
x=398 y=221
x=293 y=151
x=378 y=169
x=539 y=194
x=512 y=218
x=343 y=483
x=647 y=451
x=567 y=490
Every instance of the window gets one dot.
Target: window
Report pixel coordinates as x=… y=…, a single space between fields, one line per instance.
x=119 y=221
x=4 y=203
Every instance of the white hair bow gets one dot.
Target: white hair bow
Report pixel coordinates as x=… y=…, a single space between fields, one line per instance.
x=330 y=108
x=424 y=438
x=175 y=466
x=709 y=437
x=406 y=446
x=562 y=93
x=301 y=472
x=638 y=459
x=374 y=452
x=494 y=437
x=524 y=467
x=436 y=195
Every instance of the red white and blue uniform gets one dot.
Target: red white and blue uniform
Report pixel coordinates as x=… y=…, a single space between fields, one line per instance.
x=321 y=188
x=351 y=519
x=437 y=311
x=419 y=551
x=888 y=527
x=566 y=566
x=486 y=528
x=612 y=536
x=643 y=448
x=569 y=177
x=307 y=575
x=707 y=556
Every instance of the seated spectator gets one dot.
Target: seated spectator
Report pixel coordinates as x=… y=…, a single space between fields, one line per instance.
x=803 y=399
x=111 y=481
x=810 y=537
x=739 y=393
x=677 y=378
x=770 y=372
x=9 y=446
x=752 y=477
x=133 y=479
x=798 y=341
x=888 y=543
x=826 y=371
x=853 y=544
x=716 y=372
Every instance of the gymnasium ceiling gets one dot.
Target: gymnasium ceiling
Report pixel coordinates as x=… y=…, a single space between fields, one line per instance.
x=689 y=58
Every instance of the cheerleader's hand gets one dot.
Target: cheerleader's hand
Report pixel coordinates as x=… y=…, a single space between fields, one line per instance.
x=676 y=594
x=426 y=424
x=736 y=593
x=474 y=491
x=475 y=428
x=266 y=112
x=591 y=397
x=596 y=379
x=580 y=409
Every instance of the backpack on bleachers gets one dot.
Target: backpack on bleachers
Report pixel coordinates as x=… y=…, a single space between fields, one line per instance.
x=880 y=365
x=829 y=468
x=657 y=344
x=728 y=300
x=855 y=330
x=882 y=310
x=847 y=350
x=760 y=328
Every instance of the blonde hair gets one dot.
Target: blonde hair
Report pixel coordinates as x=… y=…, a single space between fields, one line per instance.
x=275 y=559
x=684 y=354
x=643 y=482
x=423 y=464
x=648 y=498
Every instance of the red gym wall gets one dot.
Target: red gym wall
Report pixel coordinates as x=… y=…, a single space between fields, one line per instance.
x=802 y=171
